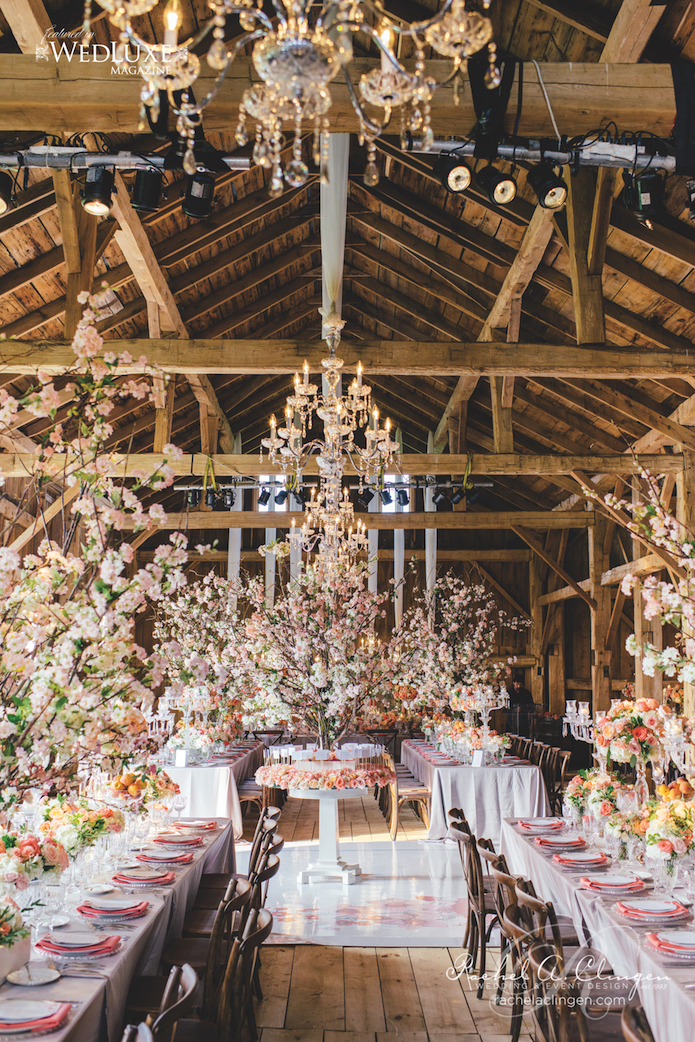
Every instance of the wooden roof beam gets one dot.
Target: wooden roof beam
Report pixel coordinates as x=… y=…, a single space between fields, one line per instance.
x=68 y=98
x=13 y=464
x=400 y=358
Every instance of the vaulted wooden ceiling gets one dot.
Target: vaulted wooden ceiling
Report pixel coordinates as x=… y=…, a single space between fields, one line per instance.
x=421 y=265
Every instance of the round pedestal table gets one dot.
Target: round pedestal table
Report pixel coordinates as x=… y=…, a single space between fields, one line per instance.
x=329 y=865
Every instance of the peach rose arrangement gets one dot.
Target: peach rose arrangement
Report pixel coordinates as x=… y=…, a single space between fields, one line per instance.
x=76 y=825
x=285 y=776
x=25 y=857
x=630 y=732
x=12 y=926
x=669 y=833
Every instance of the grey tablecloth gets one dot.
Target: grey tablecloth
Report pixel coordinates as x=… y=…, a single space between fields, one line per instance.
x=211 y=789
x=485 y=794
x=660 y=983
x=99 y=1015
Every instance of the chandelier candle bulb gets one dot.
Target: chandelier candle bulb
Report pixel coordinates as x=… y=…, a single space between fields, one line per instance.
x=173 y=18
x=306 y=374
x=359 y=374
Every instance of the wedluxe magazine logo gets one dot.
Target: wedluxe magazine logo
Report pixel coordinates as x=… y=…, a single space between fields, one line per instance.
x=78 y=46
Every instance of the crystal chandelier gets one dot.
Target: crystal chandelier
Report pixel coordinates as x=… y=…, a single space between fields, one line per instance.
x=329 y=522
x=296 y=60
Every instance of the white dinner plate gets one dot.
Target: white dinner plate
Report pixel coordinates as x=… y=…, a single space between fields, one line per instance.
x=650 y=906
x=681 y=938
x=541 y=823
x=583 y=859
x=76 y=940
x=549 y=841
x=111 y=902
x=615 y=879
x=18 y=1011
x=138 y=872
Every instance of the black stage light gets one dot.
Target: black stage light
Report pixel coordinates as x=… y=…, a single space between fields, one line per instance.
x=6 y=186
x=96 y=194
x=454 y=174
x=438 y=497
x=644 y=195
x=385 y=497
x=264 y=497
x=499 y=188
x=210 y=498
x=281 y=496
x=402 y=497
x=228 y=498
x=197 y=202
x=457 y=495
x=299 y=496
x=147 y=190
x=549 y=187
x=193 y=497
x=365 y=497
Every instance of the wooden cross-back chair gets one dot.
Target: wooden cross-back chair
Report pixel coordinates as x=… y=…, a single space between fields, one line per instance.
x=137 y=1033
x=635 y=1026
x=164 y=1027
x=480 y=902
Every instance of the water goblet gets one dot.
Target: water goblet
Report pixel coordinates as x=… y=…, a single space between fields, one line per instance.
x=179 y=804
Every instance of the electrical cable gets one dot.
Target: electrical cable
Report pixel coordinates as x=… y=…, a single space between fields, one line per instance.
x=547 y=100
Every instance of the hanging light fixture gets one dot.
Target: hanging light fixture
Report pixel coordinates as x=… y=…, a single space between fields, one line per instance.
x=498 y=187
x=228 y=497
x=385 y=497
x=6 y=188
x=329 y=526
x=644 y=195
x=193 y=497
x=200 y=190
x=453 y=172
x=281 y=496
x=458 y=495
x=296 y=56
x=147 y=190
x=402 y=497
x=549 y=187
x=264 y=497
x=438 y=497
x=96 y=194
x=365 y=497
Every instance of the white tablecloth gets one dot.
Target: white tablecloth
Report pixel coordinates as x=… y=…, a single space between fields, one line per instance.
x=211 y=789
x=485 y=794
x=99 y=1015
x=660 y=983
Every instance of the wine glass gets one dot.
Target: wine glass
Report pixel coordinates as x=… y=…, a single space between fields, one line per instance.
x=179 y=804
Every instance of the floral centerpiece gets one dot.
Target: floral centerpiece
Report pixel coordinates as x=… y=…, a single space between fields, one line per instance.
x=76 y=825
x=630 y=732
x=287 y=776
x=669 y=834
x=146 y=785
x=12 y=928
x=25 y=857
x=192 y=736
x=595 y=790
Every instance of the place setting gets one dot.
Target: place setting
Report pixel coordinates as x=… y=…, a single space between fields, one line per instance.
x=19 y=1017
x=613 y=883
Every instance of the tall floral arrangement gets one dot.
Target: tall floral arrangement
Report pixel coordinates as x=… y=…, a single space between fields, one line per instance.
x=630 y=732
x=309 y=658
x=446 y=645
x=197 y=634
x=73 y=679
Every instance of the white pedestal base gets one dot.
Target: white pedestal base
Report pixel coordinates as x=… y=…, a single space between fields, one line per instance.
x=329 y=864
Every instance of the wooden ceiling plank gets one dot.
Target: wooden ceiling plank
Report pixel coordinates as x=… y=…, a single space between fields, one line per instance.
x=572 y=419
x=633 y=26
x=650 y=417
x=29 y=22
x=589 y=21
x=546 y=557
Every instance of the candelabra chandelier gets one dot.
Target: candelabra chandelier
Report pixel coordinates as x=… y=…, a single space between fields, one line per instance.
x=297 y=60
x=329 y=522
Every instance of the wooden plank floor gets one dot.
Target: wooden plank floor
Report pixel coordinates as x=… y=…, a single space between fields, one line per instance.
x=359 y=820
x=313 y=993
x=316 y=993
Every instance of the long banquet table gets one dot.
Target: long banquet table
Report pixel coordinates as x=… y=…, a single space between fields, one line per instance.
x=485 y=794
x=661 y=983
x=100 y=1002
x=211 y=788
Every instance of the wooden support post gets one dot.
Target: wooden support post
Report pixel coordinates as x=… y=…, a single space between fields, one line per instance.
x=600 y=616
x=501 y=417
x=163 y=417
x=685 y=491
x=587 y=289
x=533 y=644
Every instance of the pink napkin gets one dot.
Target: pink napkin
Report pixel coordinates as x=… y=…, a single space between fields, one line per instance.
x=121 y=913
x=163 y=880
x=662 y=946
x=628 y=888
x=543 y=841
x=600 y=859
x=45 y=1024
x=679 y=910
x=189 y=841
x=187 y=825
x=180 y=859
x=103 y=947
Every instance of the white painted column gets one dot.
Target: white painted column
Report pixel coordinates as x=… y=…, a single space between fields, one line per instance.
x=398 y=548
x=373 y=535
x=430 y=533
x=234 y=545
x=295 y=560
x=270 y=560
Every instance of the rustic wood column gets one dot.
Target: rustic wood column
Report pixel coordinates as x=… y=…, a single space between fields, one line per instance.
x=685 y=507
x=587 y=289
x=600 y=615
